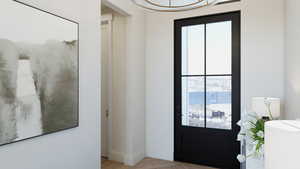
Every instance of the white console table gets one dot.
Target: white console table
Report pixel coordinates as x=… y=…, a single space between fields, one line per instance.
x=282 y=145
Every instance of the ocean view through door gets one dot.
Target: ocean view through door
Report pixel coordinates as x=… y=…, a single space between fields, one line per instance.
x=207 y=90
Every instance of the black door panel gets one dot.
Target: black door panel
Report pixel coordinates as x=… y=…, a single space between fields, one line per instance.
x=207 y=94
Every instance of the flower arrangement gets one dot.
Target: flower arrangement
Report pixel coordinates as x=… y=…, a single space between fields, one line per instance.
x=252 y=133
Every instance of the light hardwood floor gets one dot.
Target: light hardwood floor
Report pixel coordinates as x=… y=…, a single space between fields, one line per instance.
x=149 y=163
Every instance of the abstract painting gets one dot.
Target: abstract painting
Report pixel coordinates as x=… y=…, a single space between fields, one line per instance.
x=38 y=72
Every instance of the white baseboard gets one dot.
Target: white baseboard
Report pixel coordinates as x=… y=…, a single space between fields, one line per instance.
x=116 y=156
x=129 y=159
x=133 y=159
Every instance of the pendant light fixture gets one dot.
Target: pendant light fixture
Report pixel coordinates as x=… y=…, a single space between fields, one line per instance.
x=174 y=5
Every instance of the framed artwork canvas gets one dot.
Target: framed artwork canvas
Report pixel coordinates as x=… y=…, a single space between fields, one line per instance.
x=38 y=72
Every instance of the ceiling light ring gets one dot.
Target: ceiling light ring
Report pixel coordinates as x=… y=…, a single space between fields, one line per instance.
x=174 y=6
x=168 y=9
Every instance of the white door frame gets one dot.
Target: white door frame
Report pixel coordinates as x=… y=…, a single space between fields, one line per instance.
x=107 y=19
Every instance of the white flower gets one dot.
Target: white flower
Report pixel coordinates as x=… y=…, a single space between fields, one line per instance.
x=241 y=158
x=240 y=123
x=247 y=137
x=261 y=134
x=255 y=142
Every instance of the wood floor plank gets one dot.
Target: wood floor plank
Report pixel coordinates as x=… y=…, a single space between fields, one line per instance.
x=150 y=163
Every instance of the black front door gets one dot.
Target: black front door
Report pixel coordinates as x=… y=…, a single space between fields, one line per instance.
x=207 y=90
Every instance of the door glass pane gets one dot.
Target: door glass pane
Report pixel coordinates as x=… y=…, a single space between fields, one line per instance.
x=193 y=50
x=193 y=101
x=218 y=41
x=218 y=102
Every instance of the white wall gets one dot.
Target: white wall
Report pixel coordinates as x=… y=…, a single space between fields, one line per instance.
x=135 y=93
x=292 y=63
x=80 y=147
x=135 y=80
x=263 y=48
x=118 y=112
x=262 y=64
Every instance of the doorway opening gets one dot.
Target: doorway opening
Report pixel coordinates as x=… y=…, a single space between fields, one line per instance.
x=113 y=50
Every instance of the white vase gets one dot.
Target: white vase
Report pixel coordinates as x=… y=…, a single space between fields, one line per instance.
x=255 y=163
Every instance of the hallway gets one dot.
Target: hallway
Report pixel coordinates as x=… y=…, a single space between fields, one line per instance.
x=149 y=163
